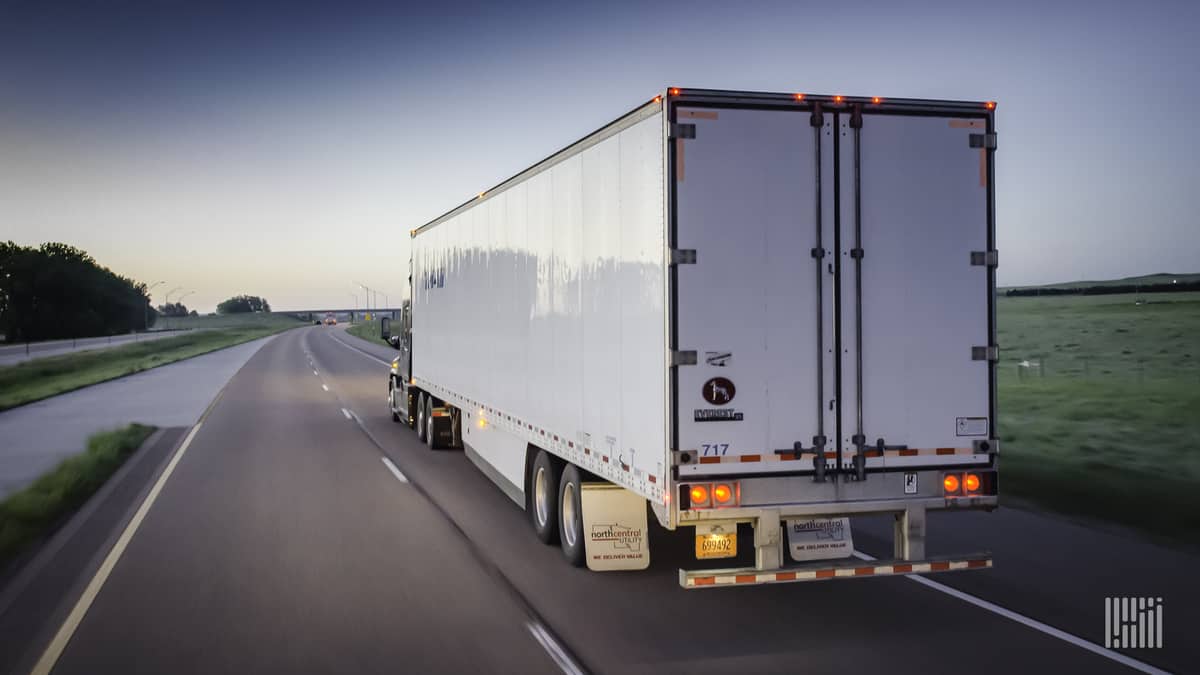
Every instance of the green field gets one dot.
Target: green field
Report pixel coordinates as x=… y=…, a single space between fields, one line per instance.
x=41 y=378
x=1100 y=407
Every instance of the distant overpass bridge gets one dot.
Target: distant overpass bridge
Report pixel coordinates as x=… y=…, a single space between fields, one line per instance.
x=343 y=314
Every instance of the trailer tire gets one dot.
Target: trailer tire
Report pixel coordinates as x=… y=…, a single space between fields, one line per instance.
x=421 y=401
x=570 y=520
x=544 y=477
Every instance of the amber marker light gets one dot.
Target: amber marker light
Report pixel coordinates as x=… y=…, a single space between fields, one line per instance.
x=722 y=494
x=799 y=97
x=839 y=99
x=699 y=495
x=990 y=105
x=657 y=99
x=876 y=100
x=971 y=482
x=674 y=91
x=950 y=482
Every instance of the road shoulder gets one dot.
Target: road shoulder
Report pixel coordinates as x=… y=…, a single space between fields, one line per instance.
x=35 y=598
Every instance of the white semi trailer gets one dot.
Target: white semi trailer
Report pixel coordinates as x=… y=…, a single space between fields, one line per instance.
x=751 y=312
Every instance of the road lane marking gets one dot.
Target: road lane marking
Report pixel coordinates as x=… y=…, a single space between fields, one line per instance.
x=325 y=387
x=556 y=652
x=360 y=351
x=347 y=413
x=395 y=471
x=55 y=649
x=314 y=372
x=1031 y=623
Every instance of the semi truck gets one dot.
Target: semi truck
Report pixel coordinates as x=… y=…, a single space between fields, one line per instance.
x=748 y=315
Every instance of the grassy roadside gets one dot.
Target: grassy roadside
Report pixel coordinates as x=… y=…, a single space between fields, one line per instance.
x=41 y=378
x=32 y=513
x=1098 y=400
x=367 y=330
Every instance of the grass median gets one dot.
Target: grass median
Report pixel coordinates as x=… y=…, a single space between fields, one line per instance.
x=45 y=377
x=33 y=513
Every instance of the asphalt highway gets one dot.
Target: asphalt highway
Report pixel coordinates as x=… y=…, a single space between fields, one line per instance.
x=301 y=530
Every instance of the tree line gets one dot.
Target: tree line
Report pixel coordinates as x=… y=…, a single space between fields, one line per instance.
x=1105 y=290
x=58 y=291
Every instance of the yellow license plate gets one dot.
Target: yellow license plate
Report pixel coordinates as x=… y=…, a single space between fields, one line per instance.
x=716 y=546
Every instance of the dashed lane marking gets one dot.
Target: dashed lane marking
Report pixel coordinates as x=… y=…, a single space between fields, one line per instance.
x=395 y=471
x=555 y=650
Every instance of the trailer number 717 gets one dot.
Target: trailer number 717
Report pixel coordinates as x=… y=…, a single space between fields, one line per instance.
x=714 y=449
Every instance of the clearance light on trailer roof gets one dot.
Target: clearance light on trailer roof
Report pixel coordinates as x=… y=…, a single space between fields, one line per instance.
x=657 y=99
x=674 y=91
x=799 y=97
x=990 y=105
x=839 y=98
x=876 y=100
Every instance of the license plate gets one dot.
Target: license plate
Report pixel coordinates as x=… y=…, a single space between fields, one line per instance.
x=716 y=545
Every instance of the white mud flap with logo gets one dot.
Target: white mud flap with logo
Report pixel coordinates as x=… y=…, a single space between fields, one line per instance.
x=819 y=538
x=614 y=528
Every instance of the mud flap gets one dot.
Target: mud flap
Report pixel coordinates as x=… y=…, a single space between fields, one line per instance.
x=614 y=528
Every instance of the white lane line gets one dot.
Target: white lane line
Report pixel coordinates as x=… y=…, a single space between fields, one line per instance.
x=347 y=413
x=55 y=649
x=314 y=372
x=556 y=652
x=395 y=471
x=1031 y=623
x=325 y=387
x=356 y=350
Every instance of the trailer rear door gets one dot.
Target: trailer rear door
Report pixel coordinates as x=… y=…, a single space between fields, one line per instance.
x=833 y=301
x=915 y=305
x=756 y=306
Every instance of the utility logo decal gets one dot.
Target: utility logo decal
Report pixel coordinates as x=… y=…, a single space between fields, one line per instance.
x=718 y=391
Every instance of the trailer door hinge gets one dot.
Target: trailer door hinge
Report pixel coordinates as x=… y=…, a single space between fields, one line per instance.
x=985 y=258
x=681 y=358
x=683 y=130
x=683 y=256
x=987 y=141
x=989 y=353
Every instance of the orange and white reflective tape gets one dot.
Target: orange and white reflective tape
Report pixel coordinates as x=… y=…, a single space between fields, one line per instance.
x=736 y=578
x=869 y=452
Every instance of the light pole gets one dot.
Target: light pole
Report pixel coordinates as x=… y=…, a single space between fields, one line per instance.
x=367 y=292
x=355 y=306
x=171 y=292
x=146 y=321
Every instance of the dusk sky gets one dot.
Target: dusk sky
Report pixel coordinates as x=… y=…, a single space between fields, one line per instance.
x=287 y=149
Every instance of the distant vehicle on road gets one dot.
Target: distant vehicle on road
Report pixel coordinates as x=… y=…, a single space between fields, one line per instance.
x=758 y=314
x=330 y=319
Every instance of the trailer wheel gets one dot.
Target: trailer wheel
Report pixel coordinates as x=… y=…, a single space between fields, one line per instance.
x=392 y=400
x=421 y=403
x=544 y=478
x=431 y=438
x=570 y=521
